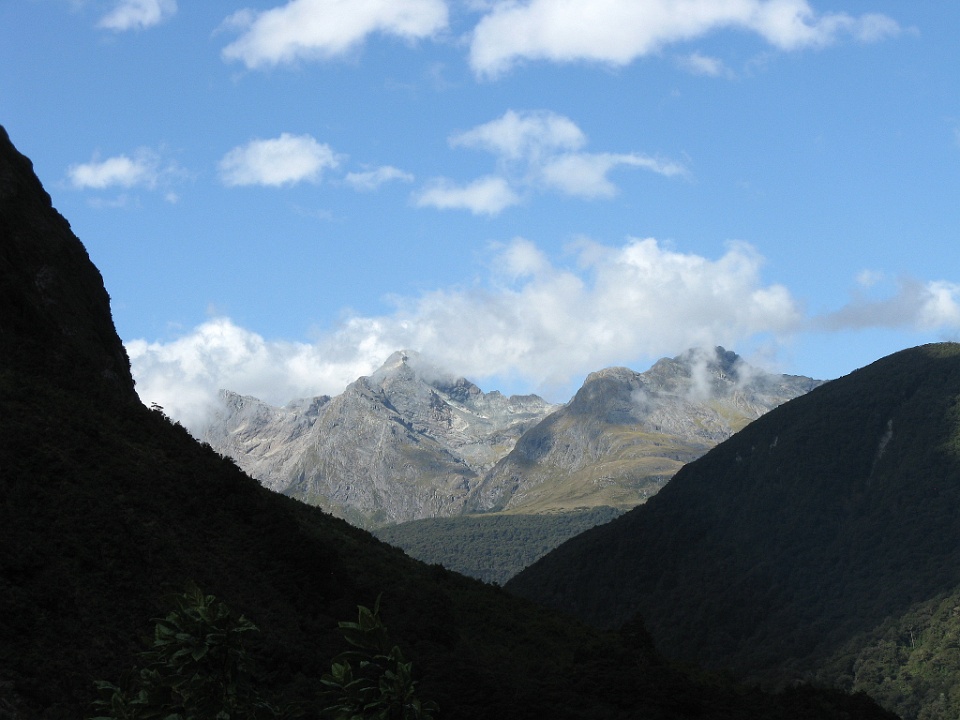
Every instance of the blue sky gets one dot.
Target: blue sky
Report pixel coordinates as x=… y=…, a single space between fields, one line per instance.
x=281 y=193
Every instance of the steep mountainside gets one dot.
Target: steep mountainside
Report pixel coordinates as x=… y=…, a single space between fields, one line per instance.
x=407 y=442
x=823 y=540
x=106 y=508
x=626 y=433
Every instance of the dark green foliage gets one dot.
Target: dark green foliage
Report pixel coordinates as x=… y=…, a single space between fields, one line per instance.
x=373 y=680
x=797 y=539
x=911 y=662
x=198 y=666
x=492 y=548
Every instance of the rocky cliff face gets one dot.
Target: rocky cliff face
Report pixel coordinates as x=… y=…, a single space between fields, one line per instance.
x=626 y=433
x=408 y=442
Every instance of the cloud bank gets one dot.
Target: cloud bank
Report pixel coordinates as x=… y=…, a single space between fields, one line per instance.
x=616 y=32
x=533 y=320
x=324 y=29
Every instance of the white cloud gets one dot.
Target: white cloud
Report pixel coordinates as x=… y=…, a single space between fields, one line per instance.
x=286 y=160
x=184 y=375
x=322 y=29
x=144 y=168
x=119 y=170
x=535 y=151
x=616 y=32
x=137 y=14
x=485 y=196
x=516 y=136
x=532 y=320
x=372 y=179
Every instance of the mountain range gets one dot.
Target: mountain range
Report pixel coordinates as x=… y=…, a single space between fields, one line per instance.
x=109 y=511
x=411 y=442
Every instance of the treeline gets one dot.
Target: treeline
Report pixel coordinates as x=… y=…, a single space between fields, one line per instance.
x=494 y=547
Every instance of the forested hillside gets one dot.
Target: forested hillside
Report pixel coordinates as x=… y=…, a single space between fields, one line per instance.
x=491 y=547
x=822 y=541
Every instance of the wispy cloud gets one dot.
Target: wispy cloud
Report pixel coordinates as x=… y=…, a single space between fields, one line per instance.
x=323 y=29
x=285 y=160
x=914 y=304
x=137 y=14
x=699 y=64
x=619 y=31
x=586 y=174
x=369 y=180
x=535 y=151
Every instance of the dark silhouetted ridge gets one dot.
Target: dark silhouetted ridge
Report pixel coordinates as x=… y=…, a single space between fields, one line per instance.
x=54 y=311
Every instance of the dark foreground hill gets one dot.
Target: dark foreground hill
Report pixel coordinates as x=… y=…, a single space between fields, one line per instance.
x=106 y=508
x=822 y=541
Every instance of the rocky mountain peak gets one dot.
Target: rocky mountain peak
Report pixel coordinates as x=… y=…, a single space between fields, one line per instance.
x=625 y=433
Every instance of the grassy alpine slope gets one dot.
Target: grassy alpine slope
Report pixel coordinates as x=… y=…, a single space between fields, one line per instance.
x=821 y=541
x=107 y=508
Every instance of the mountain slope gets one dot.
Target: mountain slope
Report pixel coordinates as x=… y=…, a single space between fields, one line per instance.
x=789 y=545
x=107 y=507
x=626 y=433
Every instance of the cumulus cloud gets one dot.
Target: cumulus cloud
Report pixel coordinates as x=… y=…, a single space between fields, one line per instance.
x=183 y=376
x=119 y=170
x=286 y=160
x=372 y=179
x=535 y=151
x=144 y=168
x=485 y=196
x=323 y=29
x=532 y=320
x=616 y=32
x=137 y=14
